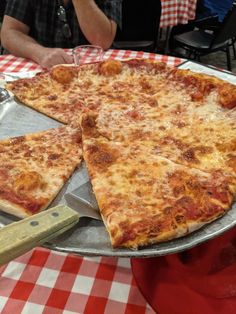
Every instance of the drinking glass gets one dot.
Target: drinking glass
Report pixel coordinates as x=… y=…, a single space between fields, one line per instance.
x=87 y=54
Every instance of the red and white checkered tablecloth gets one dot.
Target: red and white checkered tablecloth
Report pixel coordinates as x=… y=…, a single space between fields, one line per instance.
x=10 y=63
x=48 y=282
x=176 y=12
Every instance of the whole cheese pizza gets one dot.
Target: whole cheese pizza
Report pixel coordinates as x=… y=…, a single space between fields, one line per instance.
x=159 y=144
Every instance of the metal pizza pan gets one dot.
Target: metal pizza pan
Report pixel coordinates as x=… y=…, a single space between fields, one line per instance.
x=89 y=237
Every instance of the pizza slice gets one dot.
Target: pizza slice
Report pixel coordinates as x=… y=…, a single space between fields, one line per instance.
x=145 y=198
x=51 y=93
x=34 y=167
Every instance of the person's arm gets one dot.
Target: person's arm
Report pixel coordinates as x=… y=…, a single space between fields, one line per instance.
x=15 y=39
x=95 y=25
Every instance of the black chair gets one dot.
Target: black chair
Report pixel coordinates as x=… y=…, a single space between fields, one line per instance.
x=140 y=25
x=202 y=42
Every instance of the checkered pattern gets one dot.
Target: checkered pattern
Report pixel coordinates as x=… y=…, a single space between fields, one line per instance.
x=47 y=282
x=9 y=63
x=176 y=12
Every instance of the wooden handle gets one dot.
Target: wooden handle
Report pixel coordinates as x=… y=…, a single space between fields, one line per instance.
x=21 y=236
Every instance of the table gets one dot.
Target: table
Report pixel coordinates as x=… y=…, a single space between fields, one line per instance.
x=174 y=12
x=49 y=282
x=10 y=63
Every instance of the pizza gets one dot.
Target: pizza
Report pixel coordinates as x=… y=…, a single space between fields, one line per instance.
x=50 y=93
x=146 y=197
x=159 y=143
x=34 y=167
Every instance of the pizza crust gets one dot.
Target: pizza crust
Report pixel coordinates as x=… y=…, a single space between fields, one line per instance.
x=16 y=210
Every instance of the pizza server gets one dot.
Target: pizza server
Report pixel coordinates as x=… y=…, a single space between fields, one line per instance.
x=19 y=237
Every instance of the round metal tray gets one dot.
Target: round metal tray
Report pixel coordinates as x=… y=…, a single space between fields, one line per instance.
x=89 y=237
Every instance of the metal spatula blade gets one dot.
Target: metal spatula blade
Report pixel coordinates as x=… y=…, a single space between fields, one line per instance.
x=83 y=201
x=19 y=237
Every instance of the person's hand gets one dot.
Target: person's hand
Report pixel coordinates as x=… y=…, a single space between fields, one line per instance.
x=48 y=57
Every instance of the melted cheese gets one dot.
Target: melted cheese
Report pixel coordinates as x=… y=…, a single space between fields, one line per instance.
x=37 y=166
x=145 y=197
